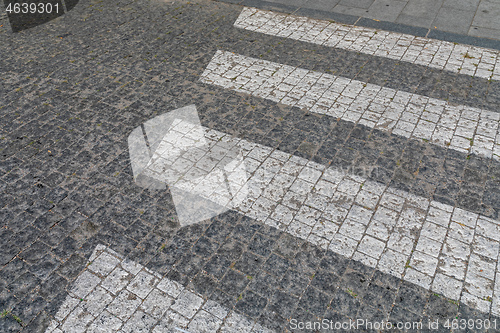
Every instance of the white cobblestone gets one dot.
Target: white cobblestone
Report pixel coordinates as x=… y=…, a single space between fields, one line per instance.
x=104 y=264
x=204 y=322
x=96 y=301
x=139 y=322
x=156 y=303
x=105 y=322
x=117 y=280
x=84 y=284
x=142 y=284
x=77 y=321
x=452 y=266
x=424 y=263
x=447 y=286
x=418 y=278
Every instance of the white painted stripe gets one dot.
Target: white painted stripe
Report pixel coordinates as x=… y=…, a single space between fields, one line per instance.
x=457 y=58
x=410 y=237
x=463 y=128
x=116 y=294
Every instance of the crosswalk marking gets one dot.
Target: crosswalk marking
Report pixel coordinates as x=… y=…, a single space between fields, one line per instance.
x=463 y=128
x=422 y=241
x=457 y=58
x=116 y=294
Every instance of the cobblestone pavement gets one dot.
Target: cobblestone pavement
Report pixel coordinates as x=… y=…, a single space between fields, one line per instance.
x=371 y=180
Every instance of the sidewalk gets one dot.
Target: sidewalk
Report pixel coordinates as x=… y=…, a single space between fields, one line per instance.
x=475 y=18
x=479 y=18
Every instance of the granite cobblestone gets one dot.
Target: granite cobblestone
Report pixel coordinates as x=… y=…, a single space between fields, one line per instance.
x=65 y=181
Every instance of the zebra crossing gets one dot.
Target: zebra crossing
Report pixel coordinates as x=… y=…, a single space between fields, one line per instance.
x=449 y=250
x=228 y=211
